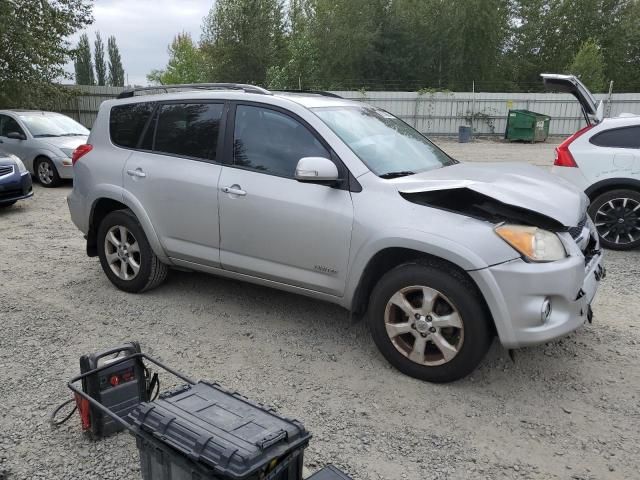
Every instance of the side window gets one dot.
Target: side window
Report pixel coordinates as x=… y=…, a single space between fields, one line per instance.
x=126 y=123
x=189 y=129
x=271 y=142
x=625 y=137
x=8 y=125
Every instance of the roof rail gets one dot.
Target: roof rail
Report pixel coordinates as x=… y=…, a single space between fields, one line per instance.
x=197 y=86
x=311 y=92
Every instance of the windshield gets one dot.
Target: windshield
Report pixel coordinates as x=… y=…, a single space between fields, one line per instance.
x=52 y=125
x=389 y=147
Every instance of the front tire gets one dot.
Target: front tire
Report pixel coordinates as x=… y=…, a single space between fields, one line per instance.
x=47 y=173
x=616 y=215
x=125 y=254
x=429 y=321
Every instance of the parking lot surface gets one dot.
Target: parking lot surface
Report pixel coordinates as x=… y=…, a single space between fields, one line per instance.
x=566 y=410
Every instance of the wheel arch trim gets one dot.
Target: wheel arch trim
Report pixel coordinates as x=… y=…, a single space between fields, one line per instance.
x=608 y=184
x=117 y=194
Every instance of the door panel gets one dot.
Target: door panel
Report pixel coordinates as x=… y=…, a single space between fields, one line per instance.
x=179 y=195
x=284 y=230
x=177 y=190
x=271 y=225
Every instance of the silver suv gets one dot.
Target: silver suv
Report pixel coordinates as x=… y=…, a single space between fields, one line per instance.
x=343 y=202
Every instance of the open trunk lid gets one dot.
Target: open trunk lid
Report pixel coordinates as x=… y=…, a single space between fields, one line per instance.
x=592 y=110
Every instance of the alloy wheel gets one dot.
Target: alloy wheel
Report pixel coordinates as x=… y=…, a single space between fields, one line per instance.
x=618 y=220
x=424 y=325
x=122 y=252
x=45 y=173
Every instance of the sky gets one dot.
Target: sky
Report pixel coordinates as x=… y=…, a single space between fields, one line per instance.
x=143 y=30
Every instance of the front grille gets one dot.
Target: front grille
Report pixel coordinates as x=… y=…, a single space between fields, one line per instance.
x=577 y=230
x=6 y=170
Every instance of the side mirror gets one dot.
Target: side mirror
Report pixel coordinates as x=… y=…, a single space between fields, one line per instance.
x=316 y=169
x=16 y=136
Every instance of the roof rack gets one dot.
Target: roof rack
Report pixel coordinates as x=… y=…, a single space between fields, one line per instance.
x=311 y=92
x=197 y=86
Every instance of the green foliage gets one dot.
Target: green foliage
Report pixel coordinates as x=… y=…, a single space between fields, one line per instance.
x=116 y=70
x=34 y=49
x=501 y=45
x=101 y=66
x=241 y=39
x=83 y=64
x=588 y=65
x=186 y=63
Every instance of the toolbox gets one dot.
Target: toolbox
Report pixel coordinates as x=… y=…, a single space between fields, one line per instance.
x=329 y=473
x=222 y=434
x=201 y=431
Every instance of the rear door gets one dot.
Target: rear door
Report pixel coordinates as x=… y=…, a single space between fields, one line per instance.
x=617 y=153
x=273 y=226
x=174 y=174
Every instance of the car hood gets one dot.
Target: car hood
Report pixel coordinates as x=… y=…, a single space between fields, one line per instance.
x=66 y=142
x=523 y=186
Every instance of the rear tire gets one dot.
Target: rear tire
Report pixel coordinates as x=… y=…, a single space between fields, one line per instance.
x=46 y=173
x=442 y=303
x=616 y=215
x=125 y=254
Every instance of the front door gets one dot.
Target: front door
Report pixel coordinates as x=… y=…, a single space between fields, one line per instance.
x=174 y=175
x=272 y=226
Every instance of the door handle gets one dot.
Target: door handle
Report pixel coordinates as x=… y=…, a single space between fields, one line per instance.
x=234 y=190
x=136 y=173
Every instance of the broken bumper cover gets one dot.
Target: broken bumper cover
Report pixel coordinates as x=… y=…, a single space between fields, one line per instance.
x=518 y=292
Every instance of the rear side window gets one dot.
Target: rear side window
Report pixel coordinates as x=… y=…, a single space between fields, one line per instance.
x=127 y=122
x=625 y=137
x=189 y=129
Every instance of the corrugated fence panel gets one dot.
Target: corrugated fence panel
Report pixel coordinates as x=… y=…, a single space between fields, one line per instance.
x=433 y=113
x=441 y=113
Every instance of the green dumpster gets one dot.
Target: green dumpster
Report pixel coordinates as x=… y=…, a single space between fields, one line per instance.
x=527 y=126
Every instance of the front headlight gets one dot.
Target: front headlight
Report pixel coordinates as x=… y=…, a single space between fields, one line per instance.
x=21 y=168
x=67 y=151
x=535 y=244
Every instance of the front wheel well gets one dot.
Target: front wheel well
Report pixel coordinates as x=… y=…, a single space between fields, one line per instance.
x=389 y=258
x=101 y=208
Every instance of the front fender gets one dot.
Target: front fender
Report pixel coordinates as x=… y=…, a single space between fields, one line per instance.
x=426 y=242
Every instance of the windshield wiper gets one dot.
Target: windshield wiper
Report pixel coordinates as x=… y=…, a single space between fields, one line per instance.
x=73 y=135
x=46 y=135
x=396 y=174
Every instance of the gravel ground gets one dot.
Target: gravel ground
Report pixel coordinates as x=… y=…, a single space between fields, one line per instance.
x=569 y=409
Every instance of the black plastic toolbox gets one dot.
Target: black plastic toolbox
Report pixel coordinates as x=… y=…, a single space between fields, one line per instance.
x=330 y=473
x=202 y=431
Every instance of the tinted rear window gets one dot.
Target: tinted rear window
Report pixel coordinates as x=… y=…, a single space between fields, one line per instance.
x=625 y=137
x=189 y=129
x=127 y=122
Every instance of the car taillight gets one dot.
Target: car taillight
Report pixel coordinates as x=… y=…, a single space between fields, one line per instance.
x=563 y=155
x=79 y=152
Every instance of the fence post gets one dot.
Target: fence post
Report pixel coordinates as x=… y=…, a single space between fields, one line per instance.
x=609 y=99
x=473 y=104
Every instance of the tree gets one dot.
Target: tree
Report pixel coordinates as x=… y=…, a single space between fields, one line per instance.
x=83 y=64
x=101 y=66
x=34 y=49
x=588 y=65
x=116 y=70
x=186 y=63
x=242 y=38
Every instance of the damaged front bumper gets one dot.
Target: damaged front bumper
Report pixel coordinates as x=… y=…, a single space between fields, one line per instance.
x=533 y=303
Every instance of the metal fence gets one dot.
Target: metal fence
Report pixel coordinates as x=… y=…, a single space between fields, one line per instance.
x=439 y=113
